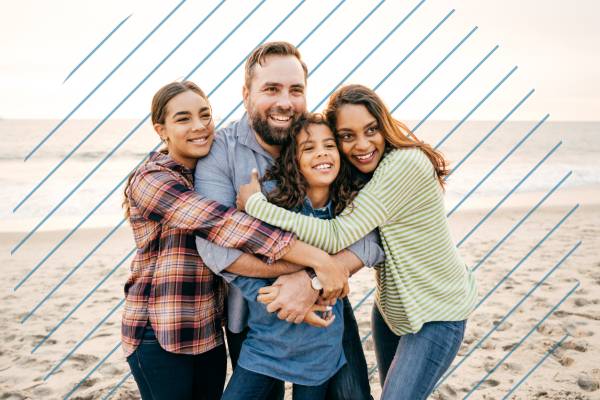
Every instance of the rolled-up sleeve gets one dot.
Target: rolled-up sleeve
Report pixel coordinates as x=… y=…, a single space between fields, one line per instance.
x=368 y=249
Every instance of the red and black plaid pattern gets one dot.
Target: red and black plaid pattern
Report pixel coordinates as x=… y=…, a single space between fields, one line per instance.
x=169 y=284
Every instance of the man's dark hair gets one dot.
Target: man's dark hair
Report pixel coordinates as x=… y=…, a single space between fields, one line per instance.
x=260 y=54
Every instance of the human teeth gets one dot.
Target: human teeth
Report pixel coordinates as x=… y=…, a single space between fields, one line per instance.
x=280 y=118
x=199 y=140
x=366 y=156
x=323 y=166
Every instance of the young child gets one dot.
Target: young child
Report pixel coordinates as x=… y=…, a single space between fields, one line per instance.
x=311 y=180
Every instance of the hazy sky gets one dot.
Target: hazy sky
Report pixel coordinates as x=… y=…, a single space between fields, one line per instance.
x=554 y=43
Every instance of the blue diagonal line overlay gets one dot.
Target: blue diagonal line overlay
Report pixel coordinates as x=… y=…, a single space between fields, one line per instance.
x=119 y=105
x=410 y=53
x=61 y=123
x=536 y=366
x=522 y=340
x=73 y=270
x=490 y=133
x=97 y=47
x=63 y=240
x=86 y=337
x=507 y=315
x=487 y=96
x=117 y=386
x=508 y=194
x=320 y=63
x=523 y=219
x=262 y=41
x=515 y=147
x=347 y=36
x=533 y=249
x=374 y=49
x=362 y=301
x=484 y=59
x=87 y=296
x=107 y=117
x=110 y=353
x=439 y=64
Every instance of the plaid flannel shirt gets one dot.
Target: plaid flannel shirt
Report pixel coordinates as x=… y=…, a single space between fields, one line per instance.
x=169 y=284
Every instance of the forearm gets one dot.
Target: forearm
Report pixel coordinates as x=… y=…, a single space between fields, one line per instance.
x=350 y=260
x=305 y=254
x=250 y=266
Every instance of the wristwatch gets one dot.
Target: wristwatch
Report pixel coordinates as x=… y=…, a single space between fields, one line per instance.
x=315 y=283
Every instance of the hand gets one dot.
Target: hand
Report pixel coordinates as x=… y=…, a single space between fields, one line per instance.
x=312 y=318
x=334 y=278
x=268 y=294
x=292 y=298
x=247 y=190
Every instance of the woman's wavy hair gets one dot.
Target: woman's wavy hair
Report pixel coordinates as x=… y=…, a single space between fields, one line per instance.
x=292 y=186
x=396 y=134
x=158 y=115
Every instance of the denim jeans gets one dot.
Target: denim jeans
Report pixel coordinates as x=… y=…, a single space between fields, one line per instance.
x=351 y=382
x=160 y=374
x=248 y=385
x=410 y=365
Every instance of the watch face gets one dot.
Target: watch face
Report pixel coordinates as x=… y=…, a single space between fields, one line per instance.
x=316 y=283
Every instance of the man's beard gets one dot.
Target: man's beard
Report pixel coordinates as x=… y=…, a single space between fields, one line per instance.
x=272 y=136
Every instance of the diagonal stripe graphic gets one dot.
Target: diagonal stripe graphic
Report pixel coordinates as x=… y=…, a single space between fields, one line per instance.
x=490 y=133
x=506 y=316
x=87 y=296
x=119 y=105
x=116 y=28
x=61 y=123
x=487 y=96
x=518 y=224
x=515 y=147
x=522 y=340
x=73 y=270
x=508 y=194
x=106 y=118
x=374 y=49
x=86 y=337
x=117 y=386
x=110 y=353
x=455 y=88
x=439 y=64
x=535 y=367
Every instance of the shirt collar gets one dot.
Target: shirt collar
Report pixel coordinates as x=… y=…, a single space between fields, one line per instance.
x=166 y=161
x=247 y=136
x=309 y=209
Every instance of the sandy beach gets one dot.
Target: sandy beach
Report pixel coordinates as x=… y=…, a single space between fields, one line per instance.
x=495 y=329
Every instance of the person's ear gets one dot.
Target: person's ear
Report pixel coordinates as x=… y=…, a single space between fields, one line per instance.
x=160 y=129
x=245 y=96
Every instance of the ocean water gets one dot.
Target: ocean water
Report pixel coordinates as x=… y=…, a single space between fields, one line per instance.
x=56 y=170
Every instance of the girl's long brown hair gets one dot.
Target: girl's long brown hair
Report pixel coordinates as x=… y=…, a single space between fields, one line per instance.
x=158 y=115
x=396 y=134
x=291 y=185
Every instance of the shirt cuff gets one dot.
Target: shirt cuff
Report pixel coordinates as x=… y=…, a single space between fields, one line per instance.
x=217 y=258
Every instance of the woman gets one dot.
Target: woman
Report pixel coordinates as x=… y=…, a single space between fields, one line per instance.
x=424 y=291
x=172 y=323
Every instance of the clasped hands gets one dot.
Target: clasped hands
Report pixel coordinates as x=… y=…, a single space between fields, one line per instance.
x=294 y=300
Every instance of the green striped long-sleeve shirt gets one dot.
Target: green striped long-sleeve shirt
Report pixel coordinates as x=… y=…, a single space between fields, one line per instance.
x=423 y=278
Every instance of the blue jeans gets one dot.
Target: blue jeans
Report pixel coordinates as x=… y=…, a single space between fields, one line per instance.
x=248 y=385
x=160 y=374
x=410 y=365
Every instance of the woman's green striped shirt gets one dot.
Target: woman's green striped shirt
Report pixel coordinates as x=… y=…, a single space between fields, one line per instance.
x=423 y=278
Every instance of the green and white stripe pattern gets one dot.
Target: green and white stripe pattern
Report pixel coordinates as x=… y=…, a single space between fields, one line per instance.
x=423 y=278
